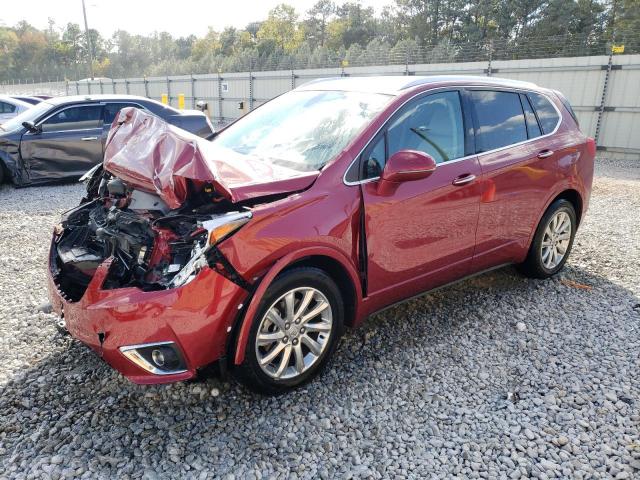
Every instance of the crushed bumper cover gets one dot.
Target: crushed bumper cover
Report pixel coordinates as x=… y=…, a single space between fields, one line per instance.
x=196 y=316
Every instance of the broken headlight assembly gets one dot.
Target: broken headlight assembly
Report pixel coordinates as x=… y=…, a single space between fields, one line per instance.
x=218 y=228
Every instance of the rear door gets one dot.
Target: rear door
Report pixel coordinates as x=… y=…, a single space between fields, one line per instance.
x=109 y=113
x=510 y=146
x=67 y=146
x=422 y=234
x=7 y=111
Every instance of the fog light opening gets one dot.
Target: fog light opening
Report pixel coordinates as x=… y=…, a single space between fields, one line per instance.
x=158 y=357
x=162 y=358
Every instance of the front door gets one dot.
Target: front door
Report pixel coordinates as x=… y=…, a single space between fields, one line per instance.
x=422 y=234
x=68 y=145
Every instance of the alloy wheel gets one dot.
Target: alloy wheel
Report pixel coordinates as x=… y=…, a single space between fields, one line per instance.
x=556 y=239
x=293 y=333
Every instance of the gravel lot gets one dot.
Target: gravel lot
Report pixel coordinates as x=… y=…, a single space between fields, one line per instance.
x=421 y=391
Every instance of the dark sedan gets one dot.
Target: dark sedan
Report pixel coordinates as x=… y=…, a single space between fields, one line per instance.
x=61 y=138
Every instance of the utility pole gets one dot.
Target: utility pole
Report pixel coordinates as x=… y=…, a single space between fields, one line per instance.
x=89 y=44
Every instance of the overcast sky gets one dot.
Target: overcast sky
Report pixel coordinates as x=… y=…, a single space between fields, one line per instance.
x=178 y=17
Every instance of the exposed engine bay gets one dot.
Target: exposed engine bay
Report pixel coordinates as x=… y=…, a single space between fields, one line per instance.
x=151 y=247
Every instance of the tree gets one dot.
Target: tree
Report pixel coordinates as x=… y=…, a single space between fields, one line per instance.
x=282 y=28
x=316 y=22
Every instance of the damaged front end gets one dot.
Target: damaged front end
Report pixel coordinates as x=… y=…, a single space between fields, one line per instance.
x=136 y=267
x=150 y=246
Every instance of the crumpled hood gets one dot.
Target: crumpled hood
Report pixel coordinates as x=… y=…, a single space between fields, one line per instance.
x=148 y=153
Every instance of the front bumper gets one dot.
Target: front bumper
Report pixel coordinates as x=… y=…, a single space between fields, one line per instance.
x=197 y=317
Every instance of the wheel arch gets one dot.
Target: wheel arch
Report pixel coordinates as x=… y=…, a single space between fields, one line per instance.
x=334 y=263
x=572 y=196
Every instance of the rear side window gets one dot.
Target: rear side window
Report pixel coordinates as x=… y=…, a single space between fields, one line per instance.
x=547 y=114
x=533 y=129
x=500 y=119
x=7 y=107
x=112 y=109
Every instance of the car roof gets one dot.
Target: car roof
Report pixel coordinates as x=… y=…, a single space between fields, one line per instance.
x=398 y=84
x=97 y=98
x=15 y=101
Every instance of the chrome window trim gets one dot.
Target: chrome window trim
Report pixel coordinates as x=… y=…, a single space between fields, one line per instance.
x=457 y=87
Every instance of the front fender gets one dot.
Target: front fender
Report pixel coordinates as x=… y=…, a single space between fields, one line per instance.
x=273 y=272
x=12 y=162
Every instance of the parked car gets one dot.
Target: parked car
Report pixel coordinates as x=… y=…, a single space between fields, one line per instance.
x=11 y=107
x=329 y=203
x=64 y=137
x=27 y=99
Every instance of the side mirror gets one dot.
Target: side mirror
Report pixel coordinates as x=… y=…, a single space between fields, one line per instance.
x=201 y=105
x=31 y=127
x=406 y=165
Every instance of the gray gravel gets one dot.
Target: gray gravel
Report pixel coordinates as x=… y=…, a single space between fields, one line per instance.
x=499 y=376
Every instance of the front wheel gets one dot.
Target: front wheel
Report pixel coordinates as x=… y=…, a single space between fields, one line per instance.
x=552 y=241
x=294 y=333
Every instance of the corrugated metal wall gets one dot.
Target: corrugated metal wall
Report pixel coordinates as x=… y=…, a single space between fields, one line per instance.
x=599 y=92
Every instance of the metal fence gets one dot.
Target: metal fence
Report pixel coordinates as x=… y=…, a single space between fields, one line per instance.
x=604 y=90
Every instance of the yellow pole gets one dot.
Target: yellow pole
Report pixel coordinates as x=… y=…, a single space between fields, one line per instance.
x=181 y=101
x=165 y=98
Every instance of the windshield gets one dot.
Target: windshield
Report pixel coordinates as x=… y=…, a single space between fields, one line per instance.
x=302 y=130
x=30 y=115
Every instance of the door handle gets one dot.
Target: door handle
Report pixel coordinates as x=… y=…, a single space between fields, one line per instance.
x=545 y=153
x=88 y=139
x=464 y=179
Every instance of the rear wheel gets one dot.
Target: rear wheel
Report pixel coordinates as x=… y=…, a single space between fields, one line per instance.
x=294 y=333
x=552 y=241
x=2 y=173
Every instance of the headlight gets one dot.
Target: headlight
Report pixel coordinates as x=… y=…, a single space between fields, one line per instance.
x=222 y=226
x=218 y=228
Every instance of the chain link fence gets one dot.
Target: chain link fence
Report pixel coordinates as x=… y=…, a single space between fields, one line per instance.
x=603 y=87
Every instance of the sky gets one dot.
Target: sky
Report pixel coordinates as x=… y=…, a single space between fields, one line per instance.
x=178 y=17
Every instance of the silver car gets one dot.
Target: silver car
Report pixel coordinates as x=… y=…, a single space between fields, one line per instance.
x=10 y=107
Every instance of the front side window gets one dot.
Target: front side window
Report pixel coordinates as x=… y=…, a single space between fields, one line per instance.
x=301 y=130
x=547 y=115
x=432 y=125
x=74 y=118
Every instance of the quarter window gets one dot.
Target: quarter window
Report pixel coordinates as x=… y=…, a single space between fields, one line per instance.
x=74 y=118
x=375 y=159
x=547 y=115
x=500 y=119
x=432 y=125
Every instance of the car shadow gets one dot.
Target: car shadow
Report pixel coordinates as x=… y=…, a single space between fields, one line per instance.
x=478 y=345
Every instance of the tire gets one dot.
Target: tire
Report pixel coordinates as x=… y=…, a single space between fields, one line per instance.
x=543 y=260
x=2 y=173
x=265 y=369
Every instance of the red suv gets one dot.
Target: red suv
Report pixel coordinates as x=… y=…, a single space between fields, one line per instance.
x=253 y=249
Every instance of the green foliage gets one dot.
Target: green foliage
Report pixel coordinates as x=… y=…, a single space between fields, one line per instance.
x=329 y=32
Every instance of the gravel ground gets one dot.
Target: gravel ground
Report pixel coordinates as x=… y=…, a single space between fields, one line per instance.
x=498 y=376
